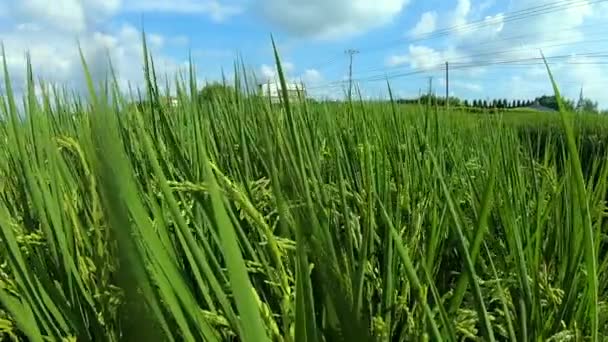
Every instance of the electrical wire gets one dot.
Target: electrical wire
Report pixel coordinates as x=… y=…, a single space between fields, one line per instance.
x=499 y=52
x=535 y=61
x=480 y=23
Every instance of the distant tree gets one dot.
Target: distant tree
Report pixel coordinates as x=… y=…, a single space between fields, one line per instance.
x=475 y=103
x=215 y=91
x=547 y=101
x=504 y=103
x=551 y=102
x=589 y=106
x=466 y=103
x=485 y=104
x=454 y=101
x=586 y=105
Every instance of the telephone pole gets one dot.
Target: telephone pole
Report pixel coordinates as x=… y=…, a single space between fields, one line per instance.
x=431 y=93
x=350 y=53
x=447 y=86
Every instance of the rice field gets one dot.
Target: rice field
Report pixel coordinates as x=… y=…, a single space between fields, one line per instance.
x=238 y=220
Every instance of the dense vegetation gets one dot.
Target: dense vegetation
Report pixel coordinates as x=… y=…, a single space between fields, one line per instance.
x=583 y=105
x=234 y=219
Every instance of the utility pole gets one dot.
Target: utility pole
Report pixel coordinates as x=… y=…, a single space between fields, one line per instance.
x=350 y=53
x=431 y=96
x=447 y=86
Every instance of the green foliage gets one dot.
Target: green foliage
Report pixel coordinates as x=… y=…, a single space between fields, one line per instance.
x=551 y=102
x=435 y=100
x=587 y=105
x=216 y=92
x=234 y=219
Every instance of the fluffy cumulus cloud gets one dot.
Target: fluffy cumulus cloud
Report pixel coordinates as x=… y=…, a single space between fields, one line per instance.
x=425 y=25
x=312 y=76
x=269 y=73
x=478 y=37
x=461 y=12
x=423 y=57
x=327 y=19
x=59 y=62
x=62 y=15
x=48 y=32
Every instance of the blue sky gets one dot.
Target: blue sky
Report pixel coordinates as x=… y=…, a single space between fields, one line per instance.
x=491 y=44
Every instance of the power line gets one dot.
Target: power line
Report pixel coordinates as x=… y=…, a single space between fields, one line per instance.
x=535 y=61
x=504 y=51
x=350 y=53
x=477 y=24
x=327 y=62
x=480 y=23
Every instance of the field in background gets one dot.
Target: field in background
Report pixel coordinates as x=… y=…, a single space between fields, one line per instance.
x=235 y=219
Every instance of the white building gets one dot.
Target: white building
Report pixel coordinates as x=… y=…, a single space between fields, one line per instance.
x=274 y=91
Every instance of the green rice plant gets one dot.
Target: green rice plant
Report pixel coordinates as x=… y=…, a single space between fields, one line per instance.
x=234 y=218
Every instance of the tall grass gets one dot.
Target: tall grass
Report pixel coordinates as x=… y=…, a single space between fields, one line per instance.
x=237 y=219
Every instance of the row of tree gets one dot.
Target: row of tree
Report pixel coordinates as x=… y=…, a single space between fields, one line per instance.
x=456 y=102
x=432 y=99
x=498 y=103
x=548 y=101
x=221 y=91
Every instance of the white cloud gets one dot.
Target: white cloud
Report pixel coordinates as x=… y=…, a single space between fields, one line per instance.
x=62 y=15
x=423 y=57
x=330 y=19
x=425 y=25
x=217 y=10
x=156 y=40
x=397 y=60
x=498 y=39
x=312 y=77
x=268 y=73
x=55 y=57
x=460 y=14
